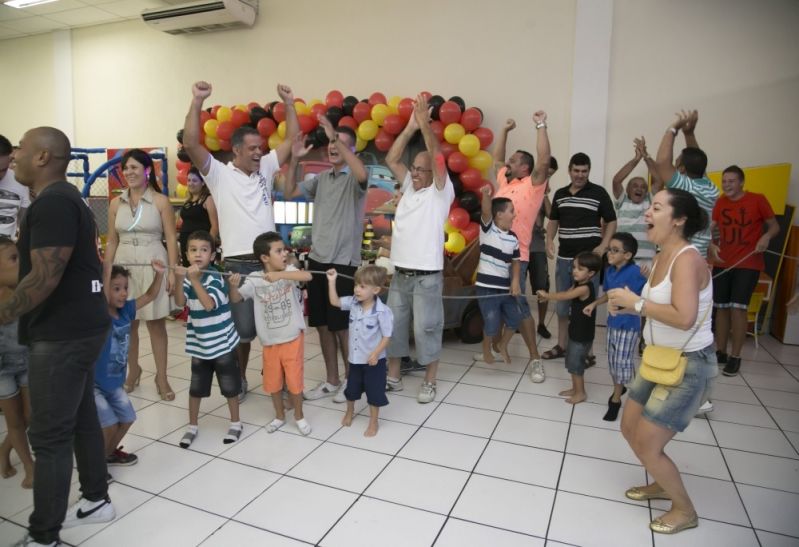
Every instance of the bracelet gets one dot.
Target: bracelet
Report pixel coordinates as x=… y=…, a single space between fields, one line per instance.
x=673 y=130
x=541 y=125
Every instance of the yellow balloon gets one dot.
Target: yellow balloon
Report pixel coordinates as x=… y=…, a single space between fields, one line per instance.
x=274 y=140
x=455 y=242
x=368 y=129
x=469 y=145
x=360 y=144
x=210 y=128
x=449 y=228
x=242 y=107
x=454 y=132
x=224 y=114
x=393 y=104
x=212 y=143
x=182 y=191
x=379 y=113
x=481 y=161
x=314 y=102
x=301 y=108
x=281 y=130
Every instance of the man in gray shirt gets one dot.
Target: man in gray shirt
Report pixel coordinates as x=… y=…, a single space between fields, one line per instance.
x=338 y=195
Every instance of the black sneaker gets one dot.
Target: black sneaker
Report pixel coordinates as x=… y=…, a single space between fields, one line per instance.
x=732 y=366
x=119 y=457
x=542 y=330
x=409 y=365
x=721 y=357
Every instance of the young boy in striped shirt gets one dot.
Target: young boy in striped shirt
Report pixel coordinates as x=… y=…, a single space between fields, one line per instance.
x=211 y=338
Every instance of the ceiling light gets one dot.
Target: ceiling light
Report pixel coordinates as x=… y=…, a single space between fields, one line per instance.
x=26 y=3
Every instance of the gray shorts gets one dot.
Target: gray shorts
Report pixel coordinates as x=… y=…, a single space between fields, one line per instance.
x=243 y=312
x=417 y=297
x=13 y=374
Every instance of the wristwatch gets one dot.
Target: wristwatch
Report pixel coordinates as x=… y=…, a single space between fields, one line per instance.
x=639 y=306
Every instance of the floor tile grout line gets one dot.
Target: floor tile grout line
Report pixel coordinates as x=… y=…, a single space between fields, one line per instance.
x=779 y=427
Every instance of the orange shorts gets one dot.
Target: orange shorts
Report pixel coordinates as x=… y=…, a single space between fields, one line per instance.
x=284 y=361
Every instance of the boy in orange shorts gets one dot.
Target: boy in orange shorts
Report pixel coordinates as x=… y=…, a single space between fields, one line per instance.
x=279 y=324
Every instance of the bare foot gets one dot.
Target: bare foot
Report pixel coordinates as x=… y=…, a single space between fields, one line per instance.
x=6 y=469
x=488 y=358
x=576 y=398
x=503 y=351
x=371 y=431
x=346 y=421
x=566 y=393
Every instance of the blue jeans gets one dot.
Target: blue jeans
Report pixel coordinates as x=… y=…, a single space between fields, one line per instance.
x=497 y=310
x=524 y=305
x=63 y=417
x=418 y=296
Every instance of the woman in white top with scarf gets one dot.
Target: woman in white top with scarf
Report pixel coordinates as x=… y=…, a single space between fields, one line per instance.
x=676 y=302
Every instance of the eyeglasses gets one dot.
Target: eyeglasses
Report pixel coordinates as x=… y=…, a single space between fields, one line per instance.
x=615 y=250
x=416 y=169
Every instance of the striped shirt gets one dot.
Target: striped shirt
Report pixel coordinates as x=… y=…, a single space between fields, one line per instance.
x=706 y=195
x=209 y=334
x=580 y=218
x=631 y=220
x=498 y=250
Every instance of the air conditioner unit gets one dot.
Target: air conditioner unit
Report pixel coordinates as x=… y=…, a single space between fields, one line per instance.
x=203 y=16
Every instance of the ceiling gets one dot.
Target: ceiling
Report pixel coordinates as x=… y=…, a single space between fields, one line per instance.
x=66 y=14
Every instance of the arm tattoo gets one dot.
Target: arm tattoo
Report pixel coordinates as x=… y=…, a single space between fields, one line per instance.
x=47 y=267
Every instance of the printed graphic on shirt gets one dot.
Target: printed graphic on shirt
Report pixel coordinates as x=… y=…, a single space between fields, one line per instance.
x=276 y=304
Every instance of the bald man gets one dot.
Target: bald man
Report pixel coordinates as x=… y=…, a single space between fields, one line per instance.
x=63 y=317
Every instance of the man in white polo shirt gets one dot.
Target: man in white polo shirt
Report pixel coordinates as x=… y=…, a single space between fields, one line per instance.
x=417 y=251
x=242 y=192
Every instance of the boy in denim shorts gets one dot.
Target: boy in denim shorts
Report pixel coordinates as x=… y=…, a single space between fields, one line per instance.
x=114 y=409
x=498 y=274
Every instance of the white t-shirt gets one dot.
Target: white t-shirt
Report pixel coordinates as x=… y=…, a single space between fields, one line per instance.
x=244 y=203
x=13 y=197
x=417 y=241
x=278 y=307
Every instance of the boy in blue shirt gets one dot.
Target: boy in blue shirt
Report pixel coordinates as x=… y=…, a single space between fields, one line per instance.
x=371 y=324
x=114 y=409
x=623 y=329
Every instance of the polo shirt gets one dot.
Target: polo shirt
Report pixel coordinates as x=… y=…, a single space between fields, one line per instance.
x=706 y=195
x=631 y=220
x=527 y=200
x=498 y=250
x=580 y=218
x=367 y=328
x=628 y=276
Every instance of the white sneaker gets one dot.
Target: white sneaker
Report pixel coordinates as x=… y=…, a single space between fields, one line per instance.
x=393 y=384
x=89 y=512
x=479 y=356
x=27 y=541
x=322 y=390
x=427 y=393
x=537 y=371
x=707 y=406
x=339 y=397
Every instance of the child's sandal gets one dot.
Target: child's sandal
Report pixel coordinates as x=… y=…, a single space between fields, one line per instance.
x=188 y=438
x=232 y=435
x=274 y=425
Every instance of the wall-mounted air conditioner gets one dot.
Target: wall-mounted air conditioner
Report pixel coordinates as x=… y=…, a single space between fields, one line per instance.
x=202 y=16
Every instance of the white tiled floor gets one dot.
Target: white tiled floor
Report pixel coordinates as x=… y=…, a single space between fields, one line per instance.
x=494 y=460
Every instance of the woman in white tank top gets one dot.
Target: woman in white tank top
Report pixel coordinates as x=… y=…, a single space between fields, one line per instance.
x=676 y=302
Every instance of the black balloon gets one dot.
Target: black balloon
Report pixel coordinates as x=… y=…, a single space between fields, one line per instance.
x=319 y=135
x=334 y=114
x=269 y=108
x=435 y=102
x=179 y=136
x=470 y=201
x=183 y=155
x=257 y=113
x=460 y=102
x=348 y=104
x=474 y=216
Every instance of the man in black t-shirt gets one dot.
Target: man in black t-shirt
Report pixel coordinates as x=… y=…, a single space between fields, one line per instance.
x=63 y=317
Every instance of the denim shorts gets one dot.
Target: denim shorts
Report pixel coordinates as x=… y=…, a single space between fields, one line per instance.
x=417 y=297
x=243 y=312
x=13 y=375
x=564 y=280
x=576 y=352
x=113 y=407
x=228 y=375
x=498 y=309
x=673 y=407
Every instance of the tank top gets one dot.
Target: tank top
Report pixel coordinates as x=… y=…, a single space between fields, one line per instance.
x=582 y=326
x=665 y=335
x=194 y=217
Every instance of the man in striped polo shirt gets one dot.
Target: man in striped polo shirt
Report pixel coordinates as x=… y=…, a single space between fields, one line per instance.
x=578 y=213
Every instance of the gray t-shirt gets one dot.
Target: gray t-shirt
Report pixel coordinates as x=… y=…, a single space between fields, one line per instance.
x=337 y=217
x=278 y=307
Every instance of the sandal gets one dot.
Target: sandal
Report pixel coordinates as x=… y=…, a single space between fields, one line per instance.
x=304 y=426
x=554 y=353
x=590 y=360
x=188 y=438
x=166 y=395
x=131 y=384
x=233 y=434
x=274 y=425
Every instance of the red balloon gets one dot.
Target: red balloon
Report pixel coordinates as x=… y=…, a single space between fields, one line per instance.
x=471 y=231
x=348 y=121
x=183 y=165
x=449 y=112
x=318 y=110
x=458 y=163
x=307 y=123
x=484 y=183
x=384 y=140
x=279 y=112
x=448 y=148
x=334 y=98
x=438 y=129
x=183 y=176
x=377 y=98
x=393 y=124
x=204 y=117
x=252 y=105
x=225 y=130
x=459 y=218
x=405 y=108
x=362 y=111
x=485 y=135
x=266 y=126
x=471 y=178
x=215 y=109
x=239 y=117
x=225 y=145
x=427 y=95
x=471 y=119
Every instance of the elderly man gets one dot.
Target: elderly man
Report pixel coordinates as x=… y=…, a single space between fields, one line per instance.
x=242 y=192
x=417 y=253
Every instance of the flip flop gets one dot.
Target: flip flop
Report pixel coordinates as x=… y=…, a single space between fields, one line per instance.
x=554 y=353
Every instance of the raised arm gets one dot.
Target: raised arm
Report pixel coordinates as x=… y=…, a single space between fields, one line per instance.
x=191 y=128
x=291 y=189
x=624 y=172
x=47 y=267
x=502 y=140
x=485 y=206
x=542 y=149
x=689 y=128
x=292 y=123
x=353 y=162
x=422 y=114
x=657 y=183
x=331 y=286
x=664 y=162
x=394 y=155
